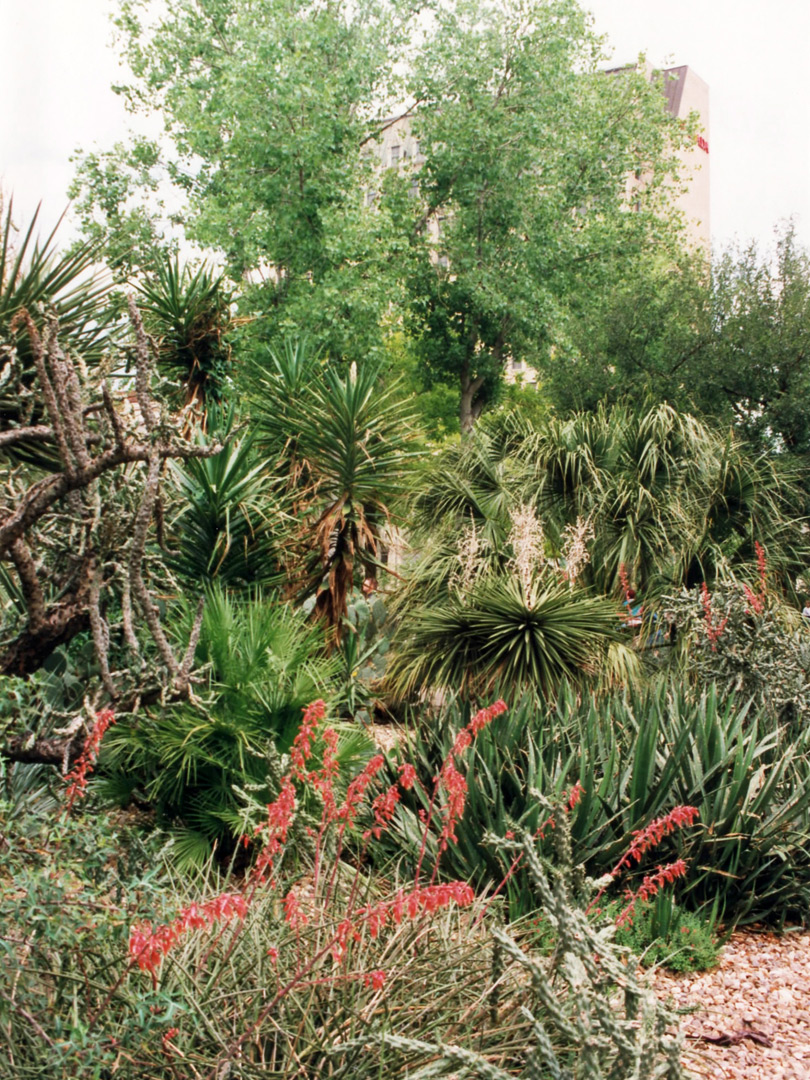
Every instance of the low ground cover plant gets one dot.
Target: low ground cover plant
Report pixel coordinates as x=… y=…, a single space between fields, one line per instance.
x=663 y=934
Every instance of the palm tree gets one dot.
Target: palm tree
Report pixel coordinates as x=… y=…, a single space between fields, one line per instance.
x=262 y=664
x=650 y=493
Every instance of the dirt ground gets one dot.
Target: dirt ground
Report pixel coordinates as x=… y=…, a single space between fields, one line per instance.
x=756 y=1002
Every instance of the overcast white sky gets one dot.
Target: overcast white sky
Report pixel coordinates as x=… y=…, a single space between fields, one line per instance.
x=58 y=66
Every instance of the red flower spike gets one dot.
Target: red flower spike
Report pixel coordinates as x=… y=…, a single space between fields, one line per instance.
x=356 y=791
x=279 y=817
x=650 y=886
x=577 y=791
x=147 y=947
x=301 y=750
x=713 y=630
x=455 y=787
x=654 y=833
x=76 y=779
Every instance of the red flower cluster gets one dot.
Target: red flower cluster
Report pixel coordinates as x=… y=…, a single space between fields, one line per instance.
x=455 y=788
x=450 y=779
x=654 y=833
x=713 y=630
x=486 y=716
x=576 y=793
x=357 y=790
x=77 y=777
x=408 y=905
x=301 y=750
x=757 y=599
x=407 y=776
x=650 y=886
x=147 y=947
x=383 y=808
x=279 y=817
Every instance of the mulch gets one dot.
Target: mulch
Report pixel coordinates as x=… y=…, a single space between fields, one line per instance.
x=753 y=1010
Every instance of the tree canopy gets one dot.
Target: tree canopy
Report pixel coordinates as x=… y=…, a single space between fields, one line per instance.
x=274 y=114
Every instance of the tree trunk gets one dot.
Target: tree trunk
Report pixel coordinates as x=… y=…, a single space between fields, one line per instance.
x=467 y=412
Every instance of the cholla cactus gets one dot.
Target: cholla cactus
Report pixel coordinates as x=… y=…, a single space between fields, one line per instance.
x=585 y=1016
x=589 y=1018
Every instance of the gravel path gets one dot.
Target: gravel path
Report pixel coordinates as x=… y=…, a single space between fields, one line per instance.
x=758 y=995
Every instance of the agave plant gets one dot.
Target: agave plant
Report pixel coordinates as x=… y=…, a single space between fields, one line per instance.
x=636 y=755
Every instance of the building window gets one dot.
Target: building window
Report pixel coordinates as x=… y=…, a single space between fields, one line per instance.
x=395 y=155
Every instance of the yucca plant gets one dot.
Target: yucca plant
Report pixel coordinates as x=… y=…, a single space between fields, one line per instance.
x=518 y=634
x=189 y=312
x=344 y=441
x=227 y=515
x=34 y=276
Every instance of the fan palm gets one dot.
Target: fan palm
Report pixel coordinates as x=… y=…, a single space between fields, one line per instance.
x=661 y=496
x=263 y=665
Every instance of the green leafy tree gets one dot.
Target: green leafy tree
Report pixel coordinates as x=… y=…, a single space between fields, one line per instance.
x=119 y=198
x=271 y=112
x=645 y=334
x=273 y=117
x=759 y=365
x=528 y=148
x=729 y=342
